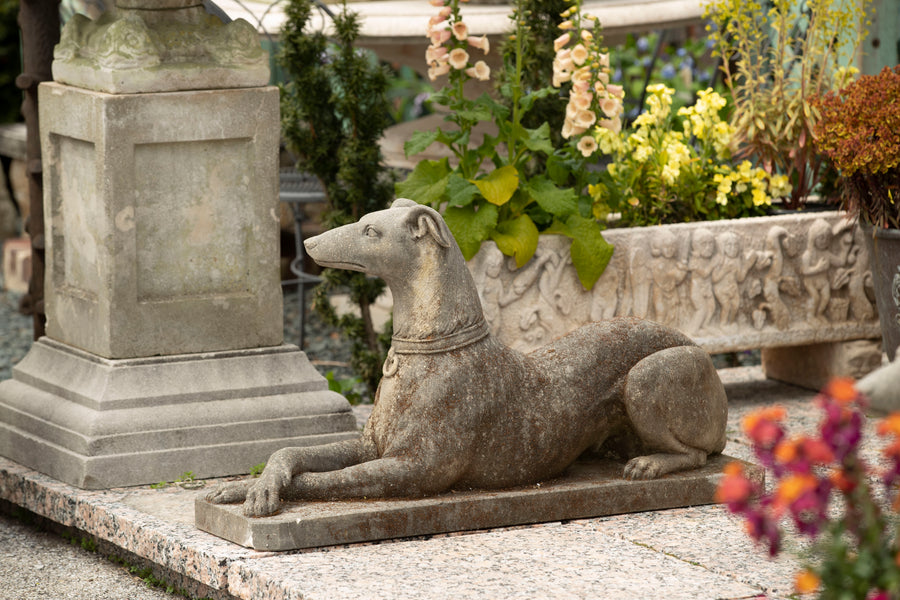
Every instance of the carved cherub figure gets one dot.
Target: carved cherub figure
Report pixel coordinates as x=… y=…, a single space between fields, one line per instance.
x=700 y=265
x=816 y=263
x=729 y=274
x=667 y=272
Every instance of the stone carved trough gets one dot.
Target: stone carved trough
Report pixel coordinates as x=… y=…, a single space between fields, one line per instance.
x=766 y=282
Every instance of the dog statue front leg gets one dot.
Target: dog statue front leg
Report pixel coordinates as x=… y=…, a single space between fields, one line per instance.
x=380 y=478
x=263 y=496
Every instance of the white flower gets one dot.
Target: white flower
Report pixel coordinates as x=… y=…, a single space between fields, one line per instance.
x=587 y=146
x=480 y=71
x=561 y=41
x=459 y=58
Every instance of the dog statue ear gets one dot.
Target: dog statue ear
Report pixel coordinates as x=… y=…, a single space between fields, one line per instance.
x=423 y=221
x=404 y=203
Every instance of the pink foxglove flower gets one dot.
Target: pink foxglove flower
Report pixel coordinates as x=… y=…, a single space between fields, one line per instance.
x=611 y=107
x=481 y=71
x=481 y=43
x=437 y=70
x=460 y=30
x=561 y=41
x=579 y=54
x=439 y=36
x=459 y=58
x=587 y=145
x=435 y=54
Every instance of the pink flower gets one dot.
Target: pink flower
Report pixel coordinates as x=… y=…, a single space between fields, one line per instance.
x=587 y=146
x=460 y=30
x=435 y=54
x=436 y=2
x=610 y=107
x=579 y=54
x=437 y=70
x=614 y=125
x=561 y=41
x=615 y=90
x=480 y=71
x=458 y=59
x=439 y=36
x=481 y=43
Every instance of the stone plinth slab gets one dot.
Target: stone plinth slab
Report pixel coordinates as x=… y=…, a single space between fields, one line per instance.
x=98 y=423
x=588 y=489
x=812 y=366
x=161 y=223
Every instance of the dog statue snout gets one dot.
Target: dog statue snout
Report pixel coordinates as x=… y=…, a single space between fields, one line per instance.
x=310 y=244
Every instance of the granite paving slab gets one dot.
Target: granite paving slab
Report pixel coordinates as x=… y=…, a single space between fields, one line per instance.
x=588 y=489
x=697 y=552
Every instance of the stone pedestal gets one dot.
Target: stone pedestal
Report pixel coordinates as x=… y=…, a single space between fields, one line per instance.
x=164 y=348
x=811 y=366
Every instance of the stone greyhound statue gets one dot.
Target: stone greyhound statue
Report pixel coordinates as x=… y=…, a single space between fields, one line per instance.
x=457 y=409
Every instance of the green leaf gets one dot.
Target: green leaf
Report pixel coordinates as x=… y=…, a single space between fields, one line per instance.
x=558 y=169
x=517 y=238
x=499 y=185
x=559 y=202
x=460 y=192
x=470 y=227
x=427 y=183
x=590 y=252
x=419 y=142
x=537 y=140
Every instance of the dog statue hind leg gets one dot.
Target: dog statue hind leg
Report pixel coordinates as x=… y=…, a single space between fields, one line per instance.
x=677 y=407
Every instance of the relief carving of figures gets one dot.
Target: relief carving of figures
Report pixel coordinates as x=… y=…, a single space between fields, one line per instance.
x=715 y=281
x=667 y=271
x=861 y=301
x=701 y=264
x=817 y=261
x=729 y=274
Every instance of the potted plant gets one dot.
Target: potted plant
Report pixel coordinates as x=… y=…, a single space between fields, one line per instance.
x=859 y=132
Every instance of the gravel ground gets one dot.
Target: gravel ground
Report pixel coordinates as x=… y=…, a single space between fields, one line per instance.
x=39 y=564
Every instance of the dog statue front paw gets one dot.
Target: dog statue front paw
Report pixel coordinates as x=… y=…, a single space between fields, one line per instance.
x=229 y=493
x=264 y=496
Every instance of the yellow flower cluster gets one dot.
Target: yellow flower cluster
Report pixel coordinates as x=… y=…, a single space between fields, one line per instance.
x=677 y=165
x=593 y=101
x=448 y=27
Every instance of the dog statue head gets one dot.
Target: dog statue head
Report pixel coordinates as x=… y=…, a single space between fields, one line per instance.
x=387 y=243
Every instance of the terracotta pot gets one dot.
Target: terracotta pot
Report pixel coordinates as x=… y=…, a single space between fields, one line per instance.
x=886 y=279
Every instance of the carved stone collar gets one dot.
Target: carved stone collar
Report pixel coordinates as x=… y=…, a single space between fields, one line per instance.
x=454 y=341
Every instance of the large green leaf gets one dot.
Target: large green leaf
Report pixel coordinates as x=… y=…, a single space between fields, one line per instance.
x=470 y=227
x=460 y=192
x=559 y=202
x=590 y=252
x=537 y=140
x=419 y=142
x=517 y=238
x=499 y=185
x=427 y=183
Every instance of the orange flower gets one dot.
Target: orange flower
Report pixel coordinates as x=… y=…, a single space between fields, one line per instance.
x=786 y=451
x=890 y=425
x=806 y=582
x=842 y=389
x=816 y=451
x=734 y=487
x=792 y=487
x=762 y=426
x=839 y=479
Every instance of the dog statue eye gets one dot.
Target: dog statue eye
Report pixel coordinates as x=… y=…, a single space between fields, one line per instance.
x=371 y=232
